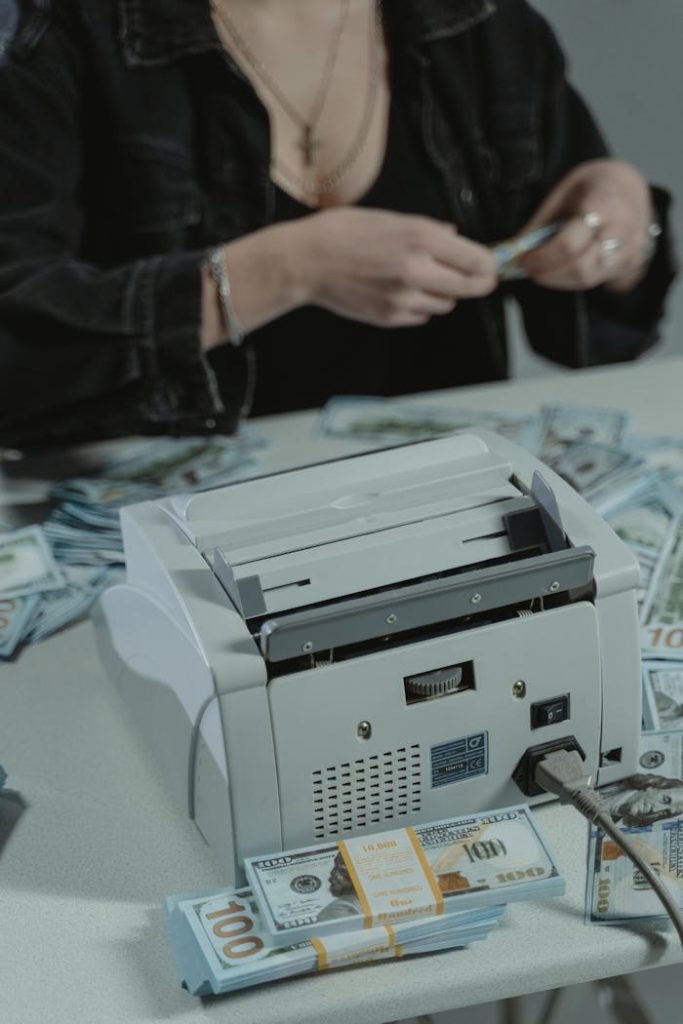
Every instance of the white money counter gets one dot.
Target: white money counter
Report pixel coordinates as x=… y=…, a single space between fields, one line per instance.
x=366 y=643
x=91 y=842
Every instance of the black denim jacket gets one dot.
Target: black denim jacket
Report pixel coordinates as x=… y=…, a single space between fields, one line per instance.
x=130 y=143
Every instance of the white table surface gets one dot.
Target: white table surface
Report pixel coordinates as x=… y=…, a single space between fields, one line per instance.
x=90 y=844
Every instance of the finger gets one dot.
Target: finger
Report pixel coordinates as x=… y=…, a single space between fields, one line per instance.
x=441 y=280
x=461 y=254
x=591 y=269
x=422 y=303
x=559 y=253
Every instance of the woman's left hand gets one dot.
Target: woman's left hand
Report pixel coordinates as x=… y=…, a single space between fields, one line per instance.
x=608 y=211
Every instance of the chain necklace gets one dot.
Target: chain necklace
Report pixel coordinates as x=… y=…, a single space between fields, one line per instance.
x=308 y=144
x=330 y=181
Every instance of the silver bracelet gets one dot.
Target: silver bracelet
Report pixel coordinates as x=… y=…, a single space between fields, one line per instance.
x=219 y=275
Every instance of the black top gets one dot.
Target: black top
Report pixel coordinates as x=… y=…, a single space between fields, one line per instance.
x=310 y=354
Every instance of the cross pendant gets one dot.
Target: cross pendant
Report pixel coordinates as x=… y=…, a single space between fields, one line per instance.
x=308 y=145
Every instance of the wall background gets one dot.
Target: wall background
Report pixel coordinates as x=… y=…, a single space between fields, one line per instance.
x=626 y=58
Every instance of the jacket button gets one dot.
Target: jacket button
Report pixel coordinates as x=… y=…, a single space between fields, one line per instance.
x=467 y=195
x=209 y=424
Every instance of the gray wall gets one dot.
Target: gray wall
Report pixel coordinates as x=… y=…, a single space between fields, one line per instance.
x=626 y=58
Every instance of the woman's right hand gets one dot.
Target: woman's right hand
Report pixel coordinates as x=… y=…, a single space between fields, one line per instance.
x=389 y=269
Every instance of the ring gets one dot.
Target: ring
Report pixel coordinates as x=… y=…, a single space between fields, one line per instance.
x=609 y=247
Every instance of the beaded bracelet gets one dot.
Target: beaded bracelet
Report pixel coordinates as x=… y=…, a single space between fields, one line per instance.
x=219 y=275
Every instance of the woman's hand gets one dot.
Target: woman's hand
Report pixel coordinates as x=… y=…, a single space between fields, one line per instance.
x=608 y=210
x=389 y=269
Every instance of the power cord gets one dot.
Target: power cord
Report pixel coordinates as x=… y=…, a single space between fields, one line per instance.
x=563 y=773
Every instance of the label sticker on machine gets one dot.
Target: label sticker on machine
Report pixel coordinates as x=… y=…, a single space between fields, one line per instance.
x=460 y=759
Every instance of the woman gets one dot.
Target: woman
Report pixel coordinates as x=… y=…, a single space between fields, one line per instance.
x=256 y=204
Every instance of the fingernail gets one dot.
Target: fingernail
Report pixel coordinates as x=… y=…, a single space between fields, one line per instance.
x=592 y=220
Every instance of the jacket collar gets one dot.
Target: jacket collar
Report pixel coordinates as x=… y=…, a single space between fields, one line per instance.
x=161 y=31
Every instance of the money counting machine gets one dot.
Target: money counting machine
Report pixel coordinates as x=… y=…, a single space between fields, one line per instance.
x=372 y=642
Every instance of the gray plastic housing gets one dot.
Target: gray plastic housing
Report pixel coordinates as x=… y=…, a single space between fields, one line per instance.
x=266 y=630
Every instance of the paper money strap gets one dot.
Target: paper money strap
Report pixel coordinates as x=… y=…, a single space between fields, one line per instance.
x=373 y=864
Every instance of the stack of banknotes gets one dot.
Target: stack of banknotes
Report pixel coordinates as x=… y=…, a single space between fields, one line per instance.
x=437 y=886
x=50 y=575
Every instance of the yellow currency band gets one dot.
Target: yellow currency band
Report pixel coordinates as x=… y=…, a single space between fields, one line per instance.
x=428 y=873
x=321 y=953
x=353 y=875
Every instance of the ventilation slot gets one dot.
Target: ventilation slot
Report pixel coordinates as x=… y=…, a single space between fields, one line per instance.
x=378 y=790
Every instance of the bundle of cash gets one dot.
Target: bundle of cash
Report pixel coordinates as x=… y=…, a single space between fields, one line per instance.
x=456 y=864
x=649 y=806
x=220 y=945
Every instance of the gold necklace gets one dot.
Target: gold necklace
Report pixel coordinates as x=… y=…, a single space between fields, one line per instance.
x=308 y=144
x=336 y=175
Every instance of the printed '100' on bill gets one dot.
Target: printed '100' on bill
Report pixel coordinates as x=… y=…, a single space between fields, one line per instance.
x=431 y=869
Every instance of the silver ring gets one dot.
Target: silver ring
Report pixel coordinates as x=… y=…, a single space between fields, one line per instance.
x=609 y=247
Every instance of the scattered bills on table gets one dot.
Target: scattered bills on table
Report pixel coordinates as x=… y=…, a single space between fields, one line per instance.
x=27 y=565
x=439 y=868
x=50 y=575
x=662 y=696
x=561 y=426
x=219 y=943
x=663 y=610
x=648 y=806
x=389 y=421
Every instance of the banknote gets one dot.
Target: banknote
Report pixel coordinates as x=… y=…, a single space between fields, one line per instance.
x=15 y=615
x=596 y=470
x=643 y=518
x=664 y=451
x=388 y=421
x=27 y=565
x=187 y=463
x=509 y=253
x=219 y=943
x=648 y=806
x=662 y=696
x=562 y=425
x=662 y=616
x=455 y=864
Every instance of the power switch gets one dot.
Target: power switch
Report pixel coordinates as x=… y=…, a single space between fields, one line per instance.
x=550 y=712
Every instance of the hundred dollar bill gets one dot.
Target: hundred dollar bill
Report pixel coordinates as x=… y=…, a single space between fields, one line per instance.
x=664 y=452
x=15 y=615
x=562 y=425
x=387 y=421
x=662 y=696
x=509 y=253
x=596 y=470
x=27 y=565
x=649 y=806
x=449 y=865
x=188 y=463
x=643 y=520
x=219 y=944
x=662 y=616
